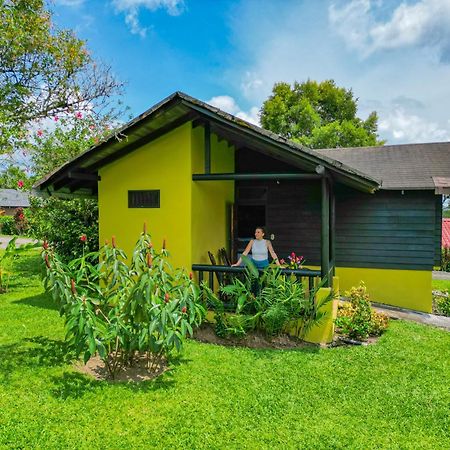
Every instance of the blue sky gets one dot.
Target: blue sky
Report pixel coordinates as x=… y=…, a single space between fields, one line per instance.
x=394 y=54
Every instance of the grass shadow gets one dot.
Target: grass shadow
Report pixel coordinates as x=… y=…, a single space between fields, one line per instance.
x=38 y=301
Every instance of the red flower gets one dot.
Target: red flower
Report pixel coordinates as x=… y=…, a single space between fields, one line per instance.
x=21 y=216
x=56 y=118
x=113 y=241
x=20 y=184
x=45 y=245
x=191 y=276
x=83 y=238
x=47 y=262
x=166 y=297
x=292 y=255
x=78 y=115
x=40 y=133
x=184 y=309
x=72 y=285
x=149 y=260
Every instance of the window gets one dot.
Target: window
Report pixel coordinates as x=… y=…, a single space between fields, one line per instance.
x=144 y=199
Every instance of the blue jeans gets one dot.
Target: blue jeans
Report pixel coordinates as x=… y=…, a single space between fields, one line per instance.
x=261 y=264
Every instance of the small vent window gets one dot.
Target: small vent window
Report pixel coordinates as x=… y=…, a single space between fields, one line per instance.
x=143 y=199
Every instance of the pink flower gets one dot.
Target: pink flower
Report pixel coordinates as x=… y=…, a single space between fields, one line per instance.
x=78 y=115
x=282 y=261
x=20 y=184
x=56 y=118
x=92 y=127
x=83 y=238
x=40 y=133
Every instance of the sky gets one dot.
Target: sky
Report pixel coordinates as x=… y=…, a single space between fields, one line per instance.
x=393 y=54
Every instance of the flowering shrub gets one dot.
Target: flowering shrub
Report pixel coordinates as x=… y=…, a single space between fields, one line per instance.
x=445 y=259
x=62 y=222
x=20 y=221
x=441 y=303
x=123 y=311
x=357 y=319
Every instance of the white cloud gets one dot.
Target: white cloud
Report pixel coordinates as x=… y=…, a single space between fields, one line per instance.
x=405 y=127
x=229 y=105
x=131 y=9
x=425 y=23
x=72 y=3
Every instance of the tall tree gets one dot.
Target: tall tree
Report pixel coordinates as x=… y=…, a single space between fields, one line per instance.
x=318 y=115
x=45 y=71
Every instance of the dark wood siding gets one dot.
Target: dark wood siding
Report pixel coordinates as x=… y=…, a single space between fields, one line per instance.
x=387 y=229
x=438 y=231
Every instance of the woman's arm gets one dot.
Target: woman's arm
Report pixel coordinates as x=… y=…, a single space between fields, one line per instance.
x=272 y=252
x=246 y=252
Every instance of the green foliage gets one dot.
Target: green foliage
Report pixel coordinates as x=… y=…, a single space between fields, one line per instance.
x=45 y=71
x=121 y=310
x=318 y=115
x=441 y=302
x=356 y=319
x=269 y=302
x=13 y=176
x=445 y=259
x=7 y=225
x=63 y=223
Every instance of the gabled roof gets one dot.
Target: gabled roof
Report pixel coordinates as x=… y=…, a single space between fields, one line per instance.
x=81 y=172
x=407 y=166
x=10 y=198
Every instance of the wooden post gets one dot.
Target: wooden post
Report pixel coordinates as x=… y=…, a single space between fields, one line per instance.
x=207 y=149
x=332 y=229
x=325 y=233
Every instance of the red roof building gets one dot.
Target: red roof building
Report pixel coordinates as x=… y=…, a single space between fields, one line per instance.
x=446 y=233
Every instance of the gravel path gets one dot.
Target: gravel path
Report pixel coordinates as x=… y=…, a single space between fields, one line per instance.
x=20 y=241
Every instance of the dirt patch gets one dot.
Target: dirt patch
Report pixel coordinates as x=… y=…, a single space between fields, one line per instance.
x=206 y=335
x=95 y=368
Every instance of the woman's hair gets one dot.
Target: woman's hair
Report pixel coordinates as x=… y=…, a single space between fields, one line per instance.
x=261 y=228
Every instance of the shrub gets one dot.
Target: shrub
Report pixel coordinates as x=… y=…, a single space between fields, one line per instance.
x=445 y=259
x=441 y=303
x=20 y=221
x=122 y=311
x=356 y=319
x=7 y=225
x=63 y=222
x=270 y=303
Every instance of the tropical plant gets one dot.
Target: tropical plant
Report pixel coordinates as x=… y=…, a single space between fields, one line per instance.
x=356 y=319
x=270 y=302
x=124 y=311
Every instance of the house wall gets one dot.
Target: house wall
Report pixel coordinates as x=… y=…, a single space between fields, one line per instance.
x=211 y=200
x=163 y=164
x=192 y=216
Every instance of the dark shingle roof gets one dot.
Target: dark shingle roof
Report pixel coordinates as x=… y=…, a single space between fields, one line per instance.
x=10 y=198
x=408 y=166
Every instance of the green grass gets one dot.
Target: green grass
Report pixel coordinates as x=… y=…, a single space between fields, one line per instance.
x=440 y=285
x=394 y=394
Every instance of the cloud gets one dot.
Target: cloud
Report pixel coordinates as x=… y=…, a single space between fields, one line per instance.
x=229 y=105
x=131 y=9
x=71 y=3
x=425 y=23
x=405 y=127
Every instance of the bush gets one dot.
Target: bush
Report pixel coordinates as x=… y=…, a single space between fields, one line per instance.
x=7 y=225
x=441 y=303
x=445 y=259
x=270 y=303
x=356 y=319
x=63 y=222
x=122 y=311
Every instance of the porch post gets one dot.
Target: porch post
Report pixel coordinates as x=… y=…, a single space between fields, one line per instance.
x=332 y=229
x=325 y=233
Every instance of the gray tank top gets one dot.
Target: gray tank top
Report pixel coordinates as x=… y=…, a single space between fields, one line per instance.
x=259 y=250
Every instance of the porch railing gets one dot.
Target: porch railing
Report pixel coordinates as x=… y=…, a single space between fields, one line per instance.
x=217 y=272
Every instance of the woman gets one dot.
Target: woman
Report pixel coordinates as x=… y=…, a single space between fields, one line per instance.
x=260 y=249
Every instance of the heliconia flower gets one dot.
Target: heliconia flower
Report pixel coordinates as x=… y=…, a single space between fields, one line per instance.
x=47 y=262
x=45 y=245
x=150 y=245
x=113 y=241
x=78 y=115
x=166 y=297
x=83 y=238
x=191 y=275
x=40 y=133
x=20 y=184
x=149 y=260
x=184 y=309
x=72 y=285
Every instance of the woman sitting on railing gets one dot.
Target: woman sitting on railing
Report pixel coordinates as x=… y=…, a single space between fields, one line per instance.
x=260 y=249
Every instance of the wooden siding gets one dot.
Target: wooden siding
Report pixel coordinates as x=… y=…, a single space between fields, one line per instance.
x=387 y=229
x=438 y=231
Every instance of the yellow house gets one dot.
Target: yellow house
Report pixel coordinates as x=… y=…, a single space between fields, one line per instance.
x=203 y=179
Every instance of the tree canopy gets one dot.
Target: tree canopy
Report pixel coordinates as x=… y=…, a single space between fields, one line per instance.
x=45 y=71
x=318 y=115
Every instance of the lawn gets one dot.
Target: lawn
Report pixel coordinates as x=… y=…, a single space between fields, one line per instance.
x=440 y=285
x=394 y=394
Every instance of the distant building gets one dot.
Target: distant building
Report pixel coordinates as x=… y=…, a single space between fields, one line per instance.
x=446 y=233
x=10 y=200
